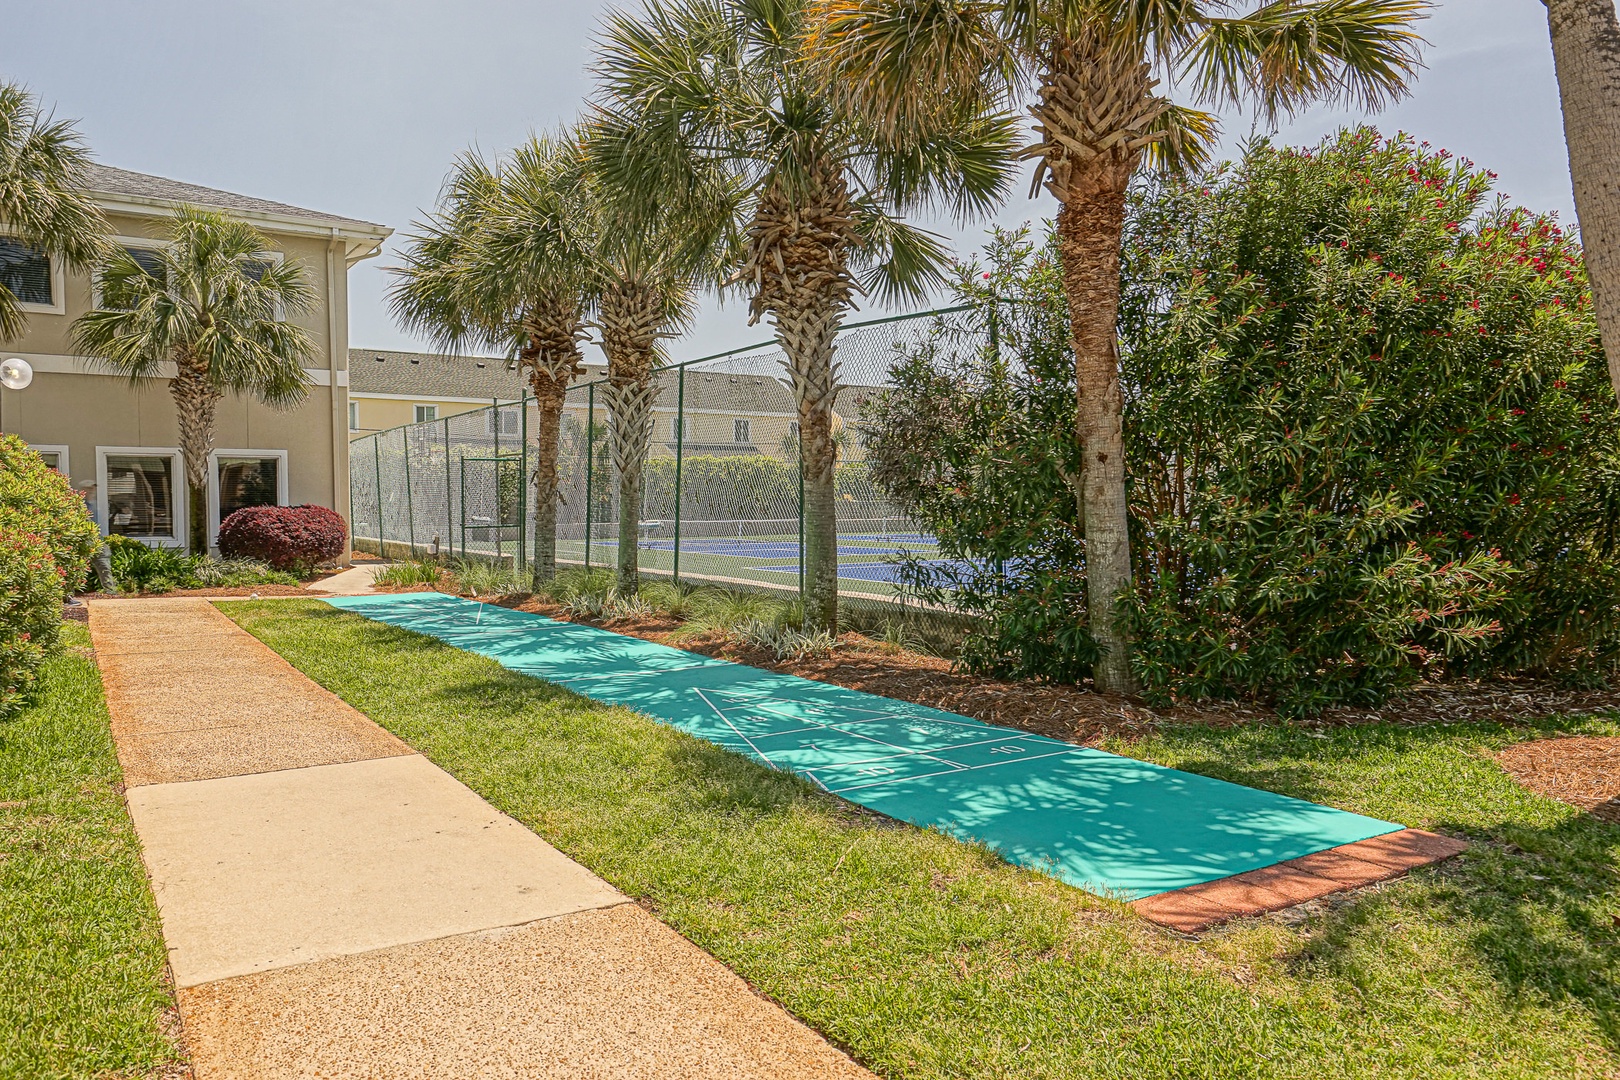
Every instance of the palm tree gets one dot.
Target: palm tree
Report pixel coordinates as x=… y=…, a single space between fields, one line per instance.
x=505 y=263
x=44 y=206
x=700 y=85
x=1586 y=51
x=649 y=259
x=214 y=305
x=1098 y=117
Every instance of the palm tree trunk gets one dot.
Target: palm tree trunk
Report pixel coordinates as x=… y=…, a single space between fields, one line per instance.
x=548 y=432
x=808 y=336
x=799 y=248
x=630 y=406
x=632 y=311
x=1095 y=115
x=1586 y=52
x=195 y=400
x=552 y=356
x=1090 y=226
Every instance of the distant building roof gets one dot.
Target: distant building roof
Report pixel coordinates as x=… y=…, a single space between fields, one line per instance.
x=106 y=180
x=432 y=376
x=436 y=375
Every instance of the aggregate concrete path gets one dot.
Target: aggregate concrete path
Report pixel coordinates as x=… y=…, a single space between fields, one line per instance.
x=335 y=905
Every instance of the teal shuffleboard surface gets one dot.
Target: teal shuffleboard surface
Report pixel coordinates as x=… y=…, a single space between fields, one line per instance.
x=1105 y=823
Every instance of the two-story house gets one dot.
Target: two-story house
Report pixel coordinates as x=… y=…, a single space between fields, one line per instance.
x=119 y=442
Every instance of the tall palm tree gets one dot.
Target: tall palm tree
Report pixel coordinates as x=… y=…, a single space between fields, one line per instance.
x=1098 y=116
x=649 y=259
x=214 y=305
x=505 y=263
x=43 y=202
x=1586 y=51
x=695 y=85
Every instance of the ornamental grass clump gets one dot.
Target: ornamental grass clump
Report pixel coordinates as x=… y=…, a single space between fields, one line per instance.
x=1368 y=427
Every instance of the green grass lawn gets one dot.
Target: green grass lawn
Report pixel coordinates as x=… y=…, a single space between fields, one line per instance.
x=930 y=958
x=82 y=963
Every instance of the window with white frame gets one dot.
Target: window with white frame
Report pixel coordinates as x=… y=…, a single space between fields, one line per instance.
x=140 y=492
x=33 y=277
x=675 y=427
x=422 y=414
x=739 y=431
x=243 y=478
x=148 y=255
x=55 y=456
x=354 y=416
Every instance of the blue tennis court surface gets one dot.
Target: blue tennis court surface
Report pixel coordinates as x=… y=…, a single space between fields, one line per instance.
x=747 y=548
x=1108 y=824
x=880 y=571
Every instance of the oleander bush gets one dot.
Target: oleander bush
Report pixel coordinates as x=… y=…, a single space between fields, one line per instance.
x=1369 y=429
x=37 y=499
x=291 y=538
x=31 y=587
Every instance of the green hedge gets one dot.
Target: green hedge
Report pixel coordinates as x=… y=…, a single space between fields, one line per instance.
x=46 y=541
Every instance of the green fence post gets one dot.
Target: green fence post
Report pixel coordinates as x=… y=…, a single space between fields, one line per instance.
x=590 y=463
x=523 y=480
x=376 y=461
x=495 y=422
x=464 y=509
x=680 y=445
x=410 y=514
x=449 y=485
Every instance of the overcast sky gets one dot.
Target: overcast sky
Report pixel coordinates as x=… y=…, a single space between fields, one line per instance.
x=357 y=106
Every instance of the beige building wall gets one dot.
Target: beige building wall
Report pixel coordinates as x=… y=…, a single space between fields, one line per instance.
x=375 y=412
x=71 y=404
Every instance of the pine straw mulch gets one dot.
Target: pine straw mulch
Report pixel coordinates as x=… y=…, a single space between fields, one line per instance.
x=1075 y=713
x=1583 y=771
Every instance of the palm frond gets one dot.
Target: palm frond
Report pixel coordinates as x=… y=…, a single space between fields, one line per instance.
x=898 y=262
x=1184 y=140
x=901 y=62
x=1288 y=54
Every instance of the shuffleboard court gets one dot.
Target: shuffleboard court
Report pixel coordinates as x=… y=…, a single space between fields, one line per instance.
x=1105 y=823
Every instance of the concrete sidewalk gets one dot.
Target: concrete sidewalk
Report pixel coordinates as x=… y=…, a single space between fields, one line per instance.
x=335 y=905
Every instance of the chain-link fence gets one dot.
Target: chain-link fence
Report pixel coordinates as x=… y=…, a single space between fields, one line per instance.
x=721 y=494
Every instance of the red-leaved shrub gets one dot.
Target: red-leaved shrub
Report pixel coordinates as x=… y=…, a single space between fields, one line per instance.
x=287 y=537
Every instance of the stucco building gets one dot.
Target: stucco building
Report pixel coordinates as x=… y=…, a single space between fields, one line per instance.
x=119 y=442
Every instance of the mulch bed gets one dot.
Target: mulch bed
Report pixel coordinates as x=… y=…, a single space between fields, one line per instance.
x=1076 y=713
x=1583 y=771
x=235 y=590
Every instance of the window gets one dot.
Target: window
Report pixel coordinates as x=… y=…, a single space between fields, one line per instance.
x=56 y=457
x=675 y=427
x=241 y=478
x=140 y=493
x=793 y=429
x=426 y=413
x=29 y=275
x=149 y=260
x=354 y=416
x=506 y=420
x=739 y=431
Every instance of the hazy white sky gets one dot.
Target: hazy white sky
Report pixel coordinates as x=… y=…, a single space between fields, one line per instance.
x=357 y=106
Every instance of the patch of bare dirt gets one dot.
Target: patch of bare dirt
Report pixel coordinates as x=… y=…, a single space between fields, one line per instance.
x=1583 y=771
x=1077 y=713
